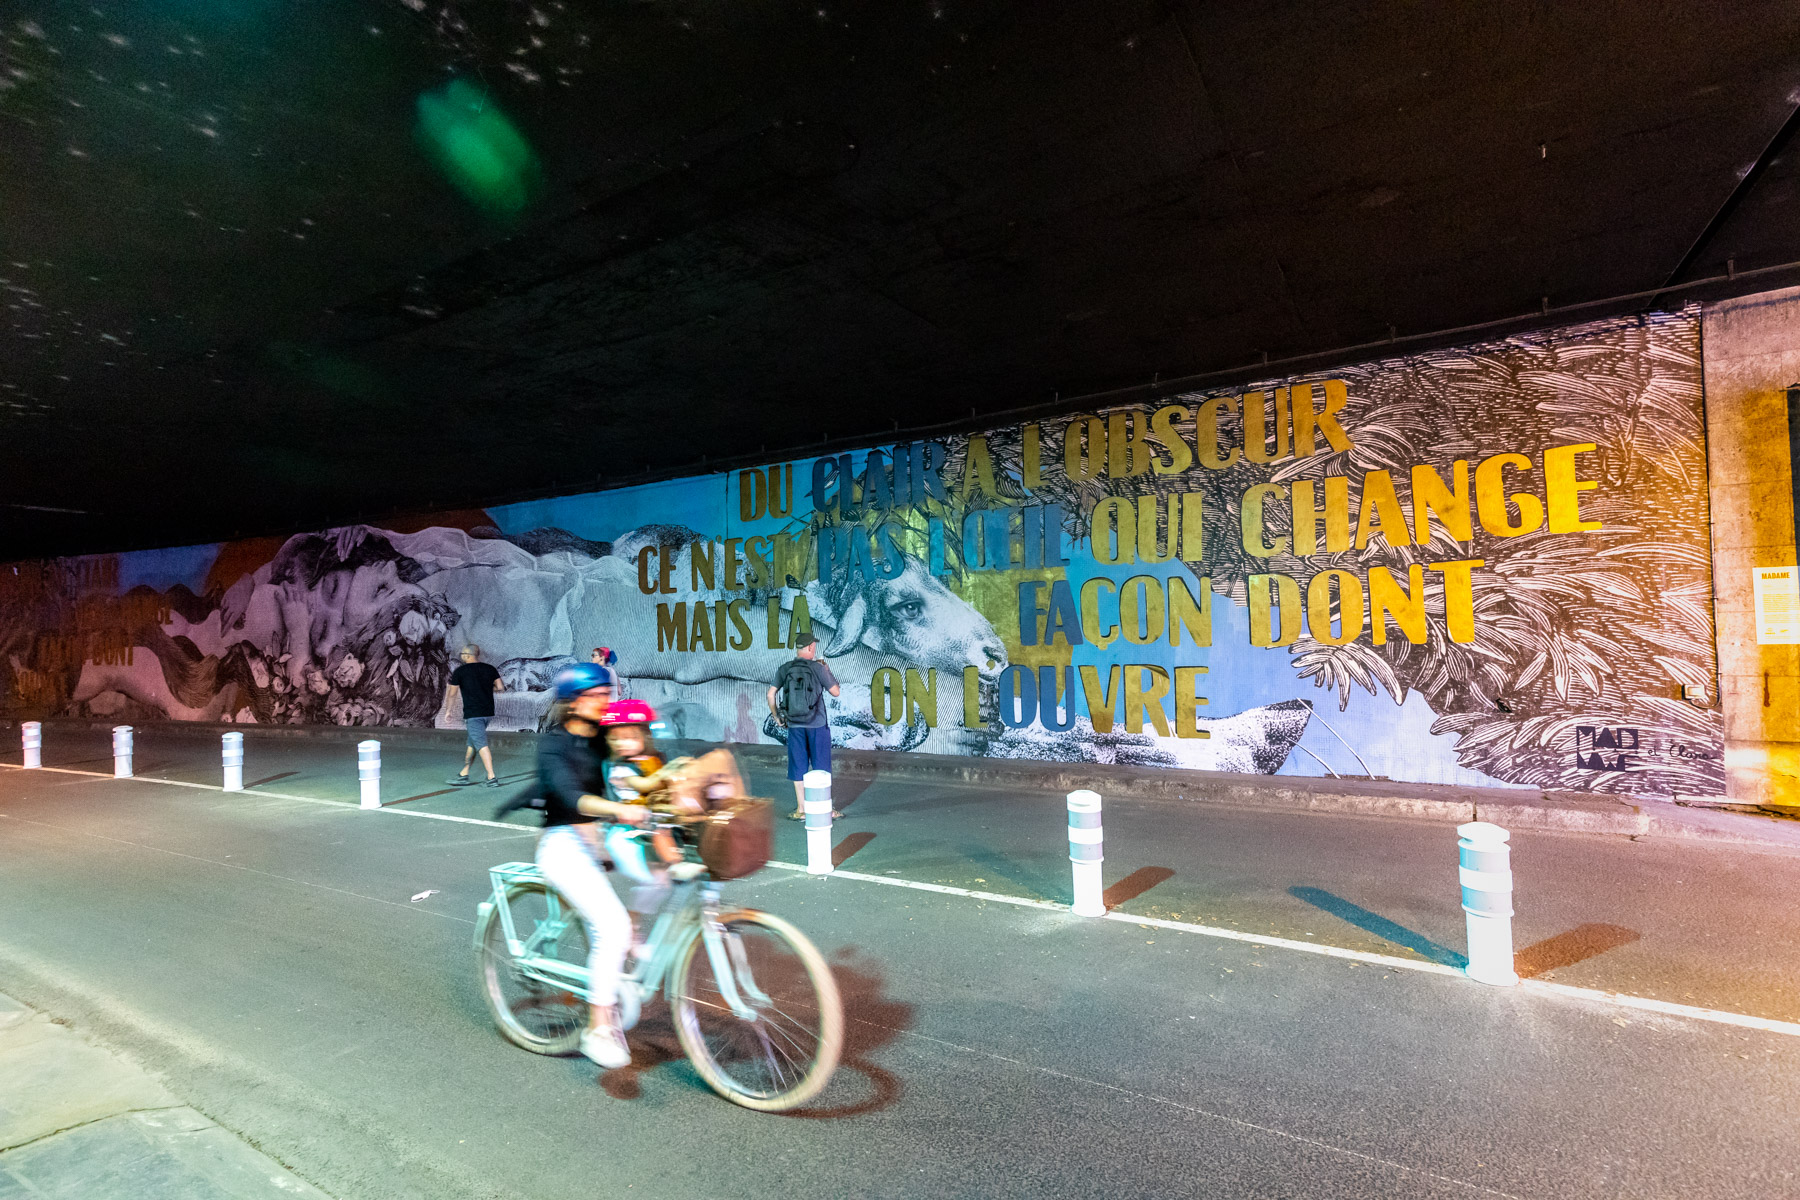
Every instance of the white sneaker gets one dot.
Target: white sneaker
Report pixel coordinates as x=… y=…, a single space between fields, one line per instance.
x=606 y=1047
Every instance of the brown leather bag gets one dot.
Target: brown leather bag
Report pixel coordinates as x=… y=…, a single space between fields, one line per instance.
x=737 y=837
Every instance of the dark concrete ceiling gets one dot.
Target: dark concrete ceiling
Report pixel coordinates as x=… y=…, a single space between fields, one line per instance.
x=241 y=297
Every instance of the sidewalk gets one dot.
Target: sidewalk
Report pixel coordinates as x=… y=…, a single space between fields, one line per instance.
x=77 y=1123
x=1512 y=808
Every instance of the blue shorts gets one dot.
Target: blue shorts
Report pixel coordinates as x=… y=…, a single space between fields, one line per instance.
x=808 y=750
x=477 y=729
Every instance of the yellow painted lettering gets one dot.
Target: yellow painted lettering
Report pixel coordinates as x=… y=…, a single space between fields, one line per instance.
x=1432 y=498
x=1112 y=531
x=1141 y=610
x=671 y=626
x=1268 y=593
x=1562 y=490
x=1188 y=701
x=1184 y=613
x=1100 y=701
x=1206 y=433
x=702 y=562
x=1145 y=686
x=1165 y=431
x=1081 y=468
x=1128 y=452
x=1348 y=602
x=1090 y=614
x=921 y=696
x=1150 y=513
x=1491 y=498
x=1387 y=598
x=1380 y=502
x=1459 y=596
x=1250 y=516
x=1336 y=516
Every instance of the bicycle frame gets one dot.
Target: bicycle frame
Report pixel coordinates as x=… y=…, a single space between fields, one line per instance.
x=691 y=909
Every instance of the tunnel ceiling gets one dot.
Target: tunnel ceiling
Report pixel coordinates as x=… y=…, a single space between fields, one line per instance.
x=269 y=266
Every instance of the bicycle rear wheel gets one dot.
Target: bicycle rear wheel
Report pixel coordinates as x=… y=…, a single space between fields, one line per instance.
x=537 y=1016
x=785 y=1053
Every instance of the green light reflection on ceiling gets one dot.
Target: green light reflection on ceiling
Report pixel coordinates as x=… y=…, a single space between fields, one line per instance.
x=477 y=148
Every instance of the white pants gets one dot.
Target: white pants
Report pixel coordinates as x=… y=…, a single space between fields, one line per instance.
x=567 y=860
x=628 y=854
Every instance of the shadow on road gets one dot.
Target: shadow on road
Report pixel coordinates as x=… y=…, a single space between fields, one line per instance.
x=79 y=762
x=845 y=790
x=422 y=796
x=270 y=779
x=1380 y=926
x=850 y=845
x=1134 y=885
x=1566 y=949
x=871 y=1021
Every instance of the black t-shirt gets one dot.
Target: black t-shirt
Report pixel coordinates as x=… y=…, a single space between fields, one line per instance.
x=476 y=680
x=569 y=767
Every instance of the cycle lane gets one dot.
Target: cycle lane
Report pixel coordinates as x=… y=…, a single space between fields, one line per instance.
x=942 y=971
x=1683 y=921
x=1688 y=922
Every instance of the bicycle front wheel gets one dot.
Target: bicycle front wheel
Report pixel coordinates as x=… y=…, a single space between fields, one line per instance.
x=540 y=1017
x=782 y=1054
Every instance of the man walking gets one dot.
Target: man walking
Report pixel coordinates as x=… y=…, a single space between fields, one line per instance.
x=478 y=682
x=800 y=688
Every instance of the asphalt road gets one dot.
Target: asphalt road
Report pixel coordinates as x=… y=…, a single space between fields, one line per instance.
x=262 y=954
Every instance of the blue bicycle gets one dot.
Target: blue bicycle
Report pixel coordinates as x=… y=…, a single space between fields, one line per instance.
x=754 y=1004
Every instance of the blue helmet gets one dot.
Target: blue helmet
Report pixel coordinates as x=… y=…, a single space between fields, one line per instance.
x=577 y=678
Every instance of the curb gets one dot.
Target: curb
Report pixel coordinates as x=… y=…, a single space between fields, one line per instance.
x=1513 y=808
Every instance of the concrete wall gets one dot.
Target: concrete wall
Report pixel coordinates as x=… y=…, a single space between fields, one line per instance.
x=1751 y=353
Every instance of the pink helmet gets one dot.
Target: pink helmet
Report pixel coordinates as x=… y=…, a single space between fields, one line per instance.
x=628 y=712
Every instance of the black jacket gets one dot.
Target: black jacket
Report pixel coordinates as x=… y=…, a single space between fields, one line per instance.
x=569 y=767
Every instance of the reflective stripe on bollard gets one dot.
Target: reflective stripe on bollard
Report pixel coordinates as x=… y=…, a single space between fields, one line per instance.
x=1487 y=885
x=817 y=807
x=31 y=737
x=121 y=752
x=368 y=772
x=231 y=754
x=1086 y=853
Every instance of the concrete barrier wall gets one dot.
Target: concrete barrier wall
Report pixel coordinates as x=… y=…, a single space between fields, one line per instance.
x=1752 y=358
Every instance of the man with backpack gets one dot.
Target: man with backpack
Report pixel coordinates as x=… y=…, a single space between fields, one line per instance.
x=798 y=702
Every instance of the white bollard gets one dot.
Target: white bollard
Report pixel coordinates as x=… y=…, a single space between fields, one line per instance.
x=1086 y=853
x=817 y=807
x=368 y=771
x=121 y=752
x=31 y=735
x=1487 y=886
x=231 y=755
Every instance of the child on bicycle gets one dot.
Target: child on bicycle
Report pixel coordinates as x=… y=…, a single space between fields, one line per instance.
x=637 y=775
x=576 y=801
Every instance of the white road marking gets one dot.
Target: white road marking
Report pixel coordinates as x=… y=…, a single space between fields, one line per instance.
x=323 y=887
x=1541 y=987
x=1538 y=986
x=213 y=787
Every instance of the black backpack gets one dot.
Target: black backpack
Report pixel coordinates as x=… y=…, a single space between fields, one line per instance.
x=799 y=687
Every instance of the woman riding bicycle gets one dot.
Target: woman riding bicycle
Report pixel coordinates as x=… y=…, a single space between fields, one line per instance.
x=572 y=782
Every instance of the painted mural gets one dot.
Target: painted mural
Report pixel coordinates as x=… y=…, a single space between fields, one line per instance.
x=1478 y=566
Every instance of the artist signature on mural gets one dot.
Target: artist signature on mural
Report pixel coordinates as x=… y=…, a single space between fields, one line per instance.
x=1622 y=748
